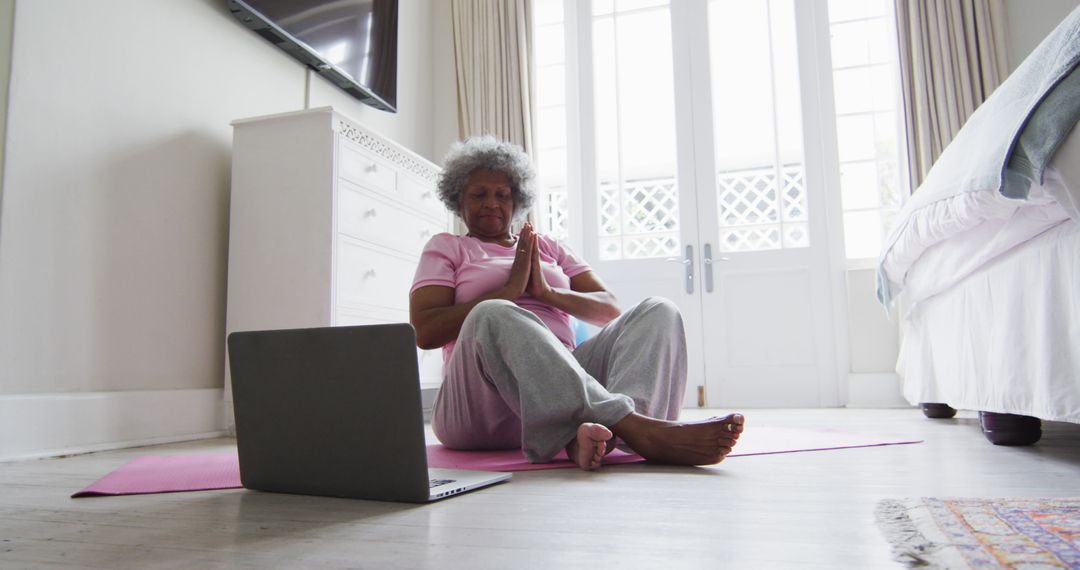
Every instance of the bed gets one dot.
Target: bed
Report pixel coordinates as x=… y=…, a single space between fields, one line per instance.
x=982 y=267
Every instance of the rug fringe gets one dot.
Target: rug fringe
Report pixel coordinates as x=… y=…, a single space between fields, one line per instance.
x=910 y=547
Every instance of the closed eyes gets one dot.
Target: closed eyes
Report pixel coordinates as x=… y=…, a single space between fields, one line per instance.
x=499 y=196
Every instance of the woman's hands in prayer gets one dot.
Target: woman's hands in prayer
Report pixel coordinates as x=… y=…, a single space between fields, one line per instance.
x=526 y=276
x=526 y=260
x=538 y=286
x=587 y=298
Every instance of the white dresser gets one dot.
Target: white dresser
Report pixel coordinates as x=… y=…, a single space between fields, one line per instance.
x=326 y=225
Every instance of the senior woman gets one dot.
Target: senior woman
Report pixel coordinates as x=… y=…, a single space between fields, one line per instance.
x=498 y=303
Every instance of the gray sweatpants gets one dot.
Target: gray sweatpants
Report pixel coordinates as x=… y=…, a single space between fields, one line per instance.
x=510 y=383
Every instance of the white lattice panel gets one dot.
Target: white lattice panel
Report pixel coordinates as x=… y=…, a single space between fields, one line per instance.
x=651 y=206
x=552 y=214
x=796 y=235
x=747 y=198
x=759 y=210
x=650 y=246
x=794 y=193
x=639 y=247
x=750 y=239
x=610 y=212
x=640 y=220
x=610 y=248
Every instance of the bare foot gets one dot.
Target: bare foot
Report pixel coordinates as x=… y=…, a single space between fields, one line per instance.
x=587 y=450
x=681 y=443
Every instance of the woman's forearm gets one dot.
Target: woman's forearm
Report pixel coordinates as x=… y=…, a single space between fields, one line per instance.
x=436 y=326
x=594 y=307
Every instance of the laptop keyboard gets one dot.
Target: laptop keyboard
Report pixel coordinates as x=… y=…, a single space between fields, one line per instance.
x=437 y=482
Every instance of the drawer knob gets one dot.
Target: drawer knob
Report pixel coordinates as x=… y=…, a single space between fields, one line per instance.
x=370 y=213
x=371 y=167
x=369 y=274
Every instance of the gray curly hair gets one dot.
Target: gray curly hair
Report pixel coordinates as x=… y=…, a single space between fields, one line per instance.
x=487 y=152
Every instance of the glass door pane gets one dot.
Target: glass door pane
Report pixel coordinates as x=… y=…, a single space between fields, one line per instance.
x=757 y=119
x=634 y=95
x=551 y=137
x=868 y=120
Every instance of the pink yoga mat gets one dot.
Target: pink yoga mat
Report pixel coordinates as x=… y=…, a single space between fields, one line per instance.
x=765 y=440
x=169 y=473
x=197 y=472
x=758 y=440
x=510 y=459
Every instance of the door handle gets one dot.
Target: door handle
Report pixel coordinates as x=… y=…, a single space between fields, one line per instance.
x=707 y=260
x=688 y=265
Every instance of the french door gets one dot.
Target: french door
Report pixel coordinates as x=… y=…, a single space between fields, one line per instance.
x=702 y=159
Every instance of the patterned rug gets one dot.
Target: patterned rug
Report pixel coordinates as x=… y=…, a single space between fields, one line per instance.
x=983 y=533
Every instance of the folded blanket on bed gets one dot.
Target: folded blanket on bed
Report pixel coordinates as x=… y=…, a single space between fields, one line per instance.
x=1044 y=132
x=969 y=183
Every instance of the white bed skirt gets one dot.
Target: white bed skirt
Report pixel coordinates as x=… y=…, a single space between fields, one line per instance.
x=1006 y=338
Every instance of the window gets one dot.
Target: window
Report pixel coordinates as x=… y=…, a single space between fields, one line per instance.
x=869 y=127
x=758 y=171
x=551 y=208
x=757 y=118
x=634 y=110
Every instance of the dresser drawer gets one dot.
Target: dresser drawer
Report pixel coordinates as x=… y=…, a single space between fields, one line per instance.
x=421 y=196
x=365 y=170
x=369 y=277
x=363 y=216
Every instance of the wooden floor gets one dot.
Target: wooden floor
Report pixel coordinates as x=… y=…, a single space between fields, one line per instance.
x=798 y=510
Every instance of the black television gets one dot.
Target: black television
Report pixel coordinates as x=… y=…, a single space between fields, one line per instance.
x=352 y=43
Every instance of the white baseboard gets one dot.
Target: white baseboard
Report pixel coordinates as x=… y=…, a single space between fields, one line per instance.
x=47 y=425
x=875 y=390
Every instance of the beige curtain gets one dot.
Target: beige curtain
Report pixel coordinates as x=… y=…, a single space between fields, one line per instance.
x=952 y=56
x=492 y=54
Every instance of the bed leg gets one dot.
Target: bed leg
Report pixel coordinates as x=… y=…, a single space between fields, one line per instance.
x=937 y=411
x=1010 y=429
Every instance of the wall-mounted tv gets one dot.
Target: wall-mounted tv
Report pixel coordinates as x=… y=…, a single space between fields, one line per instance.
x=352 y=43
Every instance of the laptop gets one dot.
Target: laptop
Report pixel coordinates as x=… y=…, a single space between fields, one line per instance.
x=336 y=411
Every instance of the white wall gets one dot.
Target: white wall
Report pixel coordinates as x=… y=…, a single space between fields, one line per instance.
x=7 y=21
x=1029 y=21
x=873 y=346
x=113 y=225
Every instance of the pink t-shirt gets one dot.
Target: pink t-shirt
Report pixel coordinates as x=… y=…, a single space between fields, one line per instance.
x=474 y=268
